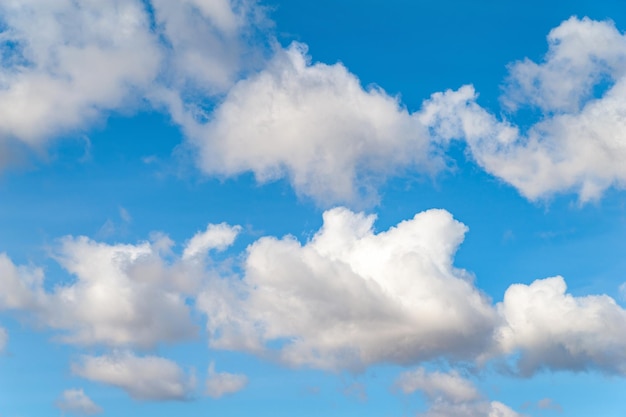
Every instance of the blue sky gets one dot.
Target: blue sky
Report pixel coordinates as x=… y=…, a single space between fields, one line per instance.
x=215 y=207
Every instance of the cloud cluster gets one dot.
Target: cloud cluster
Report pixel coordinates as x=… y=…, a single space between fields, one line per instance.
x=311 y=123
x=143 y=377
x=348 y=298
x=450 y=395
x=75 y=401
x=578 y=143
x=219 y=384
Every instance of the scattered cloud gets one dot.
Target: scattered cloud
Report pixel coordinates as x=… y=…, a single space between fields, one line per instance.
x=549 y=404
x=219 y=384
x=450 y=395
x=147 y=378
x=438 y=386
x=75 y=401
x=216 y=236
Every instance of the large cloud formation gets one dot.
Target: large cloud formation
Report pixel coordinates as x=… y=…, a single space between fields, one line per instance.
x=351 y=297
x=579 y=143
x=347 y=298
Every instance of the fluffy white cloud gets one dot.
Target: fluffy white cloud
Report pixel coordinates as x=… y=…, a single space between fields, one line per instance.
x=550 y=329
x=315 y=125
x=351 y=297
x=65 y=62
x=143 y=378
x=216 y=236
x=219 y=384
x=75 y=401
x=450 y=395
x=578 y=144
x=121 y=296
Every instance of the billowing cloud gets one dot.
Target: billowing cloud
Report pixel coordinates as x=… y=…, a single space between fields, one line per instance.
x=450 y=395
x=578 y=144
x=351 y=297
x=219 y=384
x=147 y=378
x=348 y=298
x=65 y=64
x=119 y=297
x=550 y=329
x=315 y=125
x=75 y=401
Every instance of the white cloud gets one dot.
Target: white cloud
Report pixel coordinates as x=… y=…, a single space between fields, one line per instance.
x=67 y=62
x=216 y=236
x=4 y=339
x=75 y=401
x=346 y=299
x=351 y=297
x=438 y=385
x=219 y=384
x=550 y=329
x=121 y=296
x=148 y=378
x=315 y=125
x=577 y=145
x=450 y=395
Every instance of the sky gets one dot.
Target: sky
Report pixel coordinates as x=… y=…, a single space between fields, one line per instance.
x=271 y=208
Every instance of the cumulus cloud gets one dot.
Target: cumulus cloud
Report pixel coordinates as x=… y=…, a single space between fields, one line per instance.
x=351 y=297
x=550 y=329
x=66 y=64
x=219 y=384
x=315 y=125
x=143 y=378
x=578 y=144
x=75 y=401
x=119 y=297
x=451 y=395
x=348 y=298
